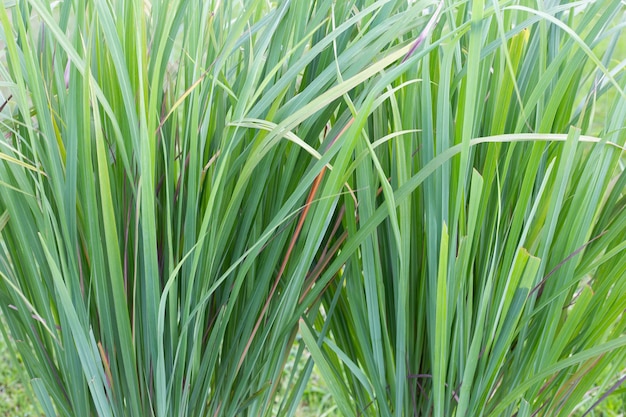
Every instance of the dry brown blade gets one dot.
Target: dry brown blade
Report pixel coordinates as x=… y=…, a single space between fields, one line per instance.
x=5 y=102
x=321 y=265
x=106 y=363
x=328 y=254
x=292 y=243
x=606 y=394
x=566 y=388
x=539 y=287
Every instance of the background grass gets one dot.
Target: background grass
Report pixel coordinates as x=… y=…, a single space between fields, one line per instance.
x=15 y=399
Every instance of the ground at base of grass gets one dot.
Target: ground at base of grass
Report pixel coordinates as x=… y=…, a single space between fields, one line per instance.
x=15 y=400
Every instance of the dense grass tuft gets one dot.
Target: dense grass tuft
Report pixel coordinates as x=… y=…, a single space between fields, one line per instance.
x=418 y=197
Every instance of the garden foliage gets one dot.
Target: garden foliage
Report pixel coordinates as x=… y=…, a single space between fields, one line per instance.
x=423 y=198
